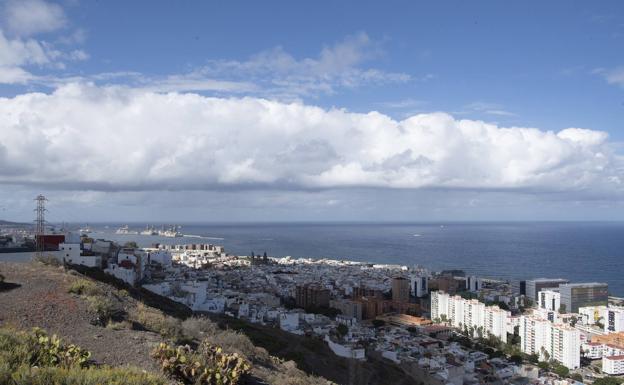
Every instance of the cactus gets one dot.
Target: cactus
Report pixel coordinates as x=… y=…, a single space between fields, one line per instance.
x=208 y=366
x=50 y=352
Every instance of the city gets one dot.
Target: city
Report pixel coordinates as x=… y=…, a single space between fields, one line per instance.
x=442 y=327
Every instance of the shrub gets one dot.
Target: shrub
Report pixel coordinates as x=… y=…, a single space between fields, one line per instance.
x=37 y=359
x=560 y=370
x=104 y=309
x=154 y=320
x=208 y=366
x=39 y=349
x=48 y=260
x=84 y=287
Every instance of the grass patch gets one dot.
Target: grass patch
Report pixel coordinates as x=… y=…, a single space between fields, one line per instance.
x=26 y=375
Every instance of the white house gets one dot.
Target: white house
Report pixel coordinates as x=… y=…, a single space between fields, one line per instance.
x=613 y=365
x=72 y=253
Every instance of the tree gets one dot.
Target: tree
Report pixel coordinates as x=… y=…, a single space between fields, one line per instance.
x=609 y=381
x=577 y=377
x=503 y=305
x=131 y=245
x=562 y=308
x=533 y=358
x=543 y=365
x=560 y=370
x=516 y=359
x=377 y=323
x=342 y=330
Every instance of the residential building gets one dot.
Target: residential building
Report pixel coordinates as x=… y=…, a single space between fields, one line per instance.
x=348 y=308
x=575 y=295
x=311 y=295
x=473 y=283
x=614 y=339
x=419 y=285
x=518 y=287
x=470 y=315
x=534 y=286
x=447 y=284
x=614 y=319
x=550 y=341
x=73 y=254
x=613 y=365
x=400 y=289
x=549 y=300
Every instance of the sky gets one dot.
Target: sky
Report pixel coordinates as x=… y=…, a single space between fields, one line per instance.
x=206 y=111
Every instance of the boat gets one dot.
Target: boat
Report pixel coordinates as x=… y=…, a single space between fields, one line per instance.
x=125 y=230
x=170 y=232
x=85 y=230
x=149 y=230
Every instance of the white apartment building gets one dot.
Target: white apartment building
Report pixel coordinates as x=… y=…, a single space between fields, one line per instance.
x=597 y=350
x=549 y=300
x=612 y=317
x=550 y=341
x=473 y=283
x=470 y=314
x=613 y=365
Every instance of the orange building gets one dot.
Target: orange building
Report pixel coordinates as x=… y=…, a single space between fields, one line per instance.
x=615 y=339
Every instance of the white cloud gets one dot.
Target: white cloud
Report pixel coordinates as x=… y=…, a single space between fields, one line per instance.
x=487 y=108
x=277 y=73
x=30 y=17
x=614 y=76
x=116 y=138
x=18 y=54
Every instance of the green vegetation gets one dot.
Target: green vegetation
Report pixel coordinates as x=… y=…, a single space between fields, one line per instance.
x=342 y=330
x=84 y=287
x=377 y=323
x=38 y=359
x=609 y=381
x=207 y=366
x=560 y=370
x=154 y=320
x=577 y=377
x=101 y=304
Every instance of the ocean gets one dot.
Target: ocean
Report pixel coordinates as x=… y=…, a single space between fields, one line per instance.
x=579 y=251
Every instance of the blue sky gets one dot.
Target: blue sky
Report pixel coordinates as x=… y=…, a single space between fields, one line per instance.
x=551 y=66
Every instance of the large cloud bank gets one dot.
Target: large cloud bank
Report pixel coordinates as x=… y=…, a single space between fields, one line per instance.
x=114 y=138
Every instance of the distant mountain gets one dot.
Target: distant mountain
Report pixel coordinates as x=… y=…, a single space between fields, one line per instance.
x=9 y=223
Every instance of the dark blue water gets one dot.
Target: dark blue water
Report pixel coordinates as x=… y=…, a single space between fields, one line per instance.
x=587 y=251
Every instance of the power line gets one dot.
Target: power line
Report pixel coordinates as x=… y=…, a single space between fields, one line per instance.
x=40 y=224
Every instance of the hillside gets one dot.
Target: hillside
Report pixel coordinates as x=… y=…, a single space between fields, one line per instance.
x=117 y=329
